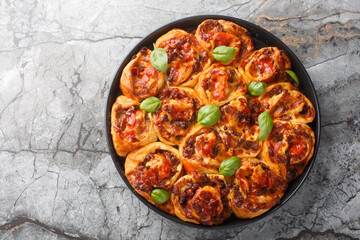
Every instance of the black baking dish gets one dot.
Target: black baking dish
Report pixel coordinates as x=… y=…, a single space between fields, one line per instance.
x=261 y=38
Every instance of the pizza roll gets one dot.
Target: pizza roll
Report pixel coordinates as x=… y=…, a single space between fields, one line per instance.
x=155 y=166
x=130 y=127
x=201 y=199
x=213 y=33
x=284 y=102
x=202 y=150
x=177 y=114
x=186 y=57
x=255 y=188
x=284 y=77
x=261 y=104
x=139 y=79
x=265 y=63
x=288 y=148
x=229 y=40
x=220 y=84
x=239 y=133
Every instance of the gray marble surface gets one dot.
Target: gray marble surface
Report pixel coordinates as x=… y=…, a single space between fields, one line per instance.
x=57 y=60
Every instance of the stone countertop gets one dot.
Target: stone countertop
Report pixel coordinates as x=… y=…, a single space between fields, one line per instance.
x=57 y=61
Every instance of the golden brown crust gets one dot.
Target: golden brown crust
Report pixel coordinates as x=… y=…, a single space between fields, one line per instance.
x=284 y=102
x=247 y=44
x=177 y=114
x=237 y=129
x=264 y=64
x=288 y=148
x=201 y=199
x=130 y=127
x=206 y=30
x=220 y=84
x=139 y=79
x=255 y=188
x=186 y=57
x=155 y=166
x=202 y=150
x=213 y=33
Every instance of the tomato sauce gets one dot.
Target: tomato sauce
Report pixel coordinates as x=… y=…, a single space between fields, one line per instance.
x=216 y=82
x=208 y=29
x=203 y=199
x=218 y=88
x=206 y=146
x=130 y=135
x=297 y=148
x=205 y=203
x=293 y=156
x=226 y=39
x=179 y=111
x=155 y=171
x=176 y=114
x=179 y=49
x=254 y=185
x=129 y=122
x=144 y=76
x=265 y=66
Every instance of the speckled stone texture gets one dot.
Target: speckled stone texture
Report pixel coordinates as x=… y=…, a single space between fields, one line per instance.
x=57 y=61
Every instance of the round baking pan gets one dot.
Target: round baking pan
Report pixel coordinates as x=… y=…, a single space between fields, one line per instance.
x=262 y=38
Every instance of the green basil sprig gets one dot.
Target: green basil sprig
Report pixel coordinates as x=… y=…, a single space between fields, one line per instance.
x=266 y=124
x=256 y=89
x=160 y=196
x=159 y=59
x=208 y=115
x=150 y=104
x=229 y=166
x=224 y=54
x=293 y=76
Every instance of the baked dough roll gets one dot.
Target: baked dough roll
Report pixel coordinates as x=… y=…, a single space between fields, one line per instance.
x=139 y=79
x=265 y=63
x=212 y=33
x=255 y=188
x=202 y=150
x=220 y=84
x=177 y=114
x=130 y=127
x=238 y=131
x=201 y=199
x=284 y=102
x=229 y=40
x=155 y=166
x=186 y=57
x=288 y=148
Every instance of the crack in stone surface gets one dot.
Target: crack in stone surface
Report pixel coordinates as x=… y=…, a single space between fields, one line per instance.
x=71 y=40
x=20 y=221
x=335 y=123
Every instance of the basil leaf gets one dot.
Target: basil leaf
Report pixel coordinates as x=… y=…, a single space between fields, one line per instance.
x=229 y=166
x=208 y=115
x=266 y=124
x=256 y=89
x=159 y=59
x=150 y=104
x=293 y=75
x=160 y=196
x=224 y=54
